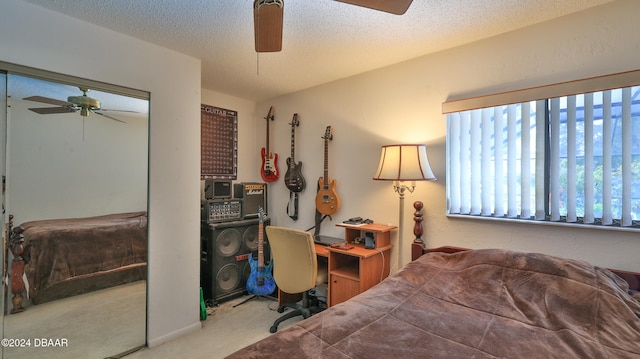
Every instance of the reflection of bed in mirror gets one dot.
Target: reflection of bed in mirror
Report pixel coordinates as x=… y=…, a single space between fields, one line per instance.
x=67 y=257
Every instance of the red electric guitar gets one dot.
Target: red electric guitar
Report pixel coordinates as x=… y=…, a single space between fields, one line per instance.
x=327 y=200
x=269 y=170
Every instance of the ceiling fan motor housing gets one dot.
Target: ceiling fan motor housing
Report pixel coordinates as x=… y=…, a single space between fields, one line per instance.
x=267 y=22
x=85 y=103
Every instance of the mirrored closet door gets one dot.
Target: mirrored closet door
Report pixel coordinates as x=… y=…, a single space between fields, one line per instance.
x=75 y=160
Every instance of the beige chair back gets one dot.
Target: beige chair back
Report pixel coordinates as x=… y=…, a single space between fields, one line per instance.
x=295 y=266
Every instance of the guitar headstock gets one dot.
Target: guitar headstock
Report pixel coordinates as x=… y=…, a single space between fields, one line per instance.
x=270 y=114
x=295 y=121
x=328 y=133
x=261 y=214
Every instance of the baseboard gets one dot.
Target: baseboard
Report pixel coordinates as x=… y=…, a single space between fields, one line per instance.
x=174 y=335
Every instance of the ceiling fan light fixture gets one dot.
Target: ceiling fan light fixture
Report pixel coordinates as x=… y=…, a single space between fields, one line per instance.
x=267 y=23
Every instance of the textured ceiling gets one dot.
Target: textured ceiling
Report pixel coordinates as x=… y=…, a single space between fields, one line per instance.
x=323 y=40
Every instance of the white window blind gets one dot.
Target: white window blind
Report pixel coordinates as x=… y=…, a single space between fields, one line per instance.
x=573 y=158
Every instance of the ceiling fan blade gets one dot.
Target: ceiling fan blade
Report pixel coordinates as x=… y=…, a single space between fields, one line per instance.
x=50 y=101
x=114 y=110
x=107 y=116
x=51 y=110
x=397 y=7
x=267 y=25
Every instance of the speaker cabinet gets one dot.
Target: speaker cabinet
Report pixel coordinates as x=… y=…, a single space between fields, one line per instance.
x=224 y=261
x=253 y=195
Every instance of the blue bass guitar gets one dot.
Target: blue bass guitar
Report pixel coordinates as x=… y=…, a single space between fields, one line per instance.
x=260 y=280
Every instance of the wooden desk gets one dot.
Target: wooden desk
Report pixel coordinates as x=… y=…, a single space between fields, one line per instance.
x=352 y=271
x=321 y=251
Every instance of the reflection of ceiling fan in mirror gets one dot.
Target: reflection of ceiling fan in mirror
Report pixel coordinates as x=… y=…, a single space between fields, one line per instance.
x=84 y=104
x=267 y=19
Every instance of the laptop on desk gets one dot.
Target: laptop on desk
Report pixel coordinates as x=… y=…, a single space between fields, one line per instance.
x=326 y=240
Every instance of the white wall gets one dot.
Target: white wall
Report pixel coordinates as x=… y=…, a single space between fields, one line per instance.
x=39 y=38
x=402 y=104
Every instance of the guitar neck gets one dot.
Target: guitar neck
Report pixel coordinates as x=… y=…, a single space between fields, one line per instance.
x=293 y=142
x=267 y=141
x=260 y=246
x=326 y=161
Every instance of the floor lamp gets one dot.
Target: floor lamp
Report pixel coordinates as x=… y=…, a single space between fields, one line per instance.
x=400 y=164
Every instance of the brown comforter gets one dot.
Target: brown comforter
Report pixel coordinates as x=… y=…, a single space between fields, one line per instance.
x=66 y=257
x=474 y=304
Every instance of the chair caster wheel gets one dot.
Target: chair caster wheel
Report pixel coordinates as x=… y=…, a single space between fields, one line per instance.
x=280 y=310
x=273 y=329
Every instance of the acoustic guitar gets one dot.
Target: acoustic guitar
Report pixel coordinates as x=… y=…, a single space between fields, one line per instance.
x=293 y=178
x=269 y=170
x=327 y=200
x=260 y=280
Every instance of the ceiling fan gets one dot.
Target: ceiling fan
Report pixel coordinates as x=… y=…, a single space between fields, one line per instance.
x=84 y=104
x=267 y=20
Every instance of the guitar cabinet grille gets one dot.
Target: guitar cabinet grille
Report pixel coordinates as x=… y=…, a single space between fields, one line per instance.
x=224 y=260
x=254 y=196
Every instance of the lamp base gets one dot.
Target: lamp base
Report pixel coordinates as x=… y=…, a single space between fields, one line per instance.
x=401 y=228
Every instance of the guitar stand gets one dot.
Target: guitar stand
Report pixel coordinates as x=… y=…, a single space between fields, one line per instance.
x=319 y=218
x=252 y=297
x=292 y=205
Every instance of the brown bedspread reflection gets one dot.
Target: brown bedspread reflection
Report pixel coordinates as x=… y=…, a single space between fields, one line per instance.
x=66 y=257
x=473 y=304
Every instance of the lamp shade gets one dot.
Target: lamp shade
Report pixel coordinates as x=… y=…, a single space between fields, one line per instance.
x=404 y=163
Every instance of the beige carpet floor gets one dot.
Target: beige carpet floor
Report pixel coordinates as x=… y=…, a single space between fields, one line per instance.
x=94 y=325
x=92 y=330
x=225 y=330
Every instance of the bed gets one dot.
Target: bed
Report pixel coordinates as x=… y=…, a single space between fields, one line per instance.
x=58 y=258
x=484 y=303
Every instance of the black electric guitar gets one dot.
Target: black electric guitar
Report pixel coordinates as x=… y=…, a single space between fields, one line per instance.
x=269 y=170
x=293 y=178
x=260 y=280
x=327 y=200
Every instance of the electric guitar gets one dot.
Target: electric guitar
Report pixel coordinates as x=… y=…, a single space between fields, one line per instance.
x=293 y=178
x=269 y=170
x=327 y=200
x=260 y=280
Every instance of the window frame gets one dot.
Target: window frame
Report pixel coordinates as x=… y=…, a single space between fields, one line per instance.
x=547 y=92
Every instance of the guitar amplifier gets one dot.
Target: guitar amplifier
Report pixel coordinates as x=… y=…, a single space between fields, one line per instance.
x=220 y=210
x=217 y=189
x=253 y=195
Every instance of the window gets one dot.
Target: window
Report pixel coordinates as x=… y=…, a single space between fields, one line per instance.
x=571 y=158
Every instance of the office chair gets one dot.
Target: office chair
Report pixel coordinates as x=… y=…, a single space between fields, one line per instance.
x=295 y=270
